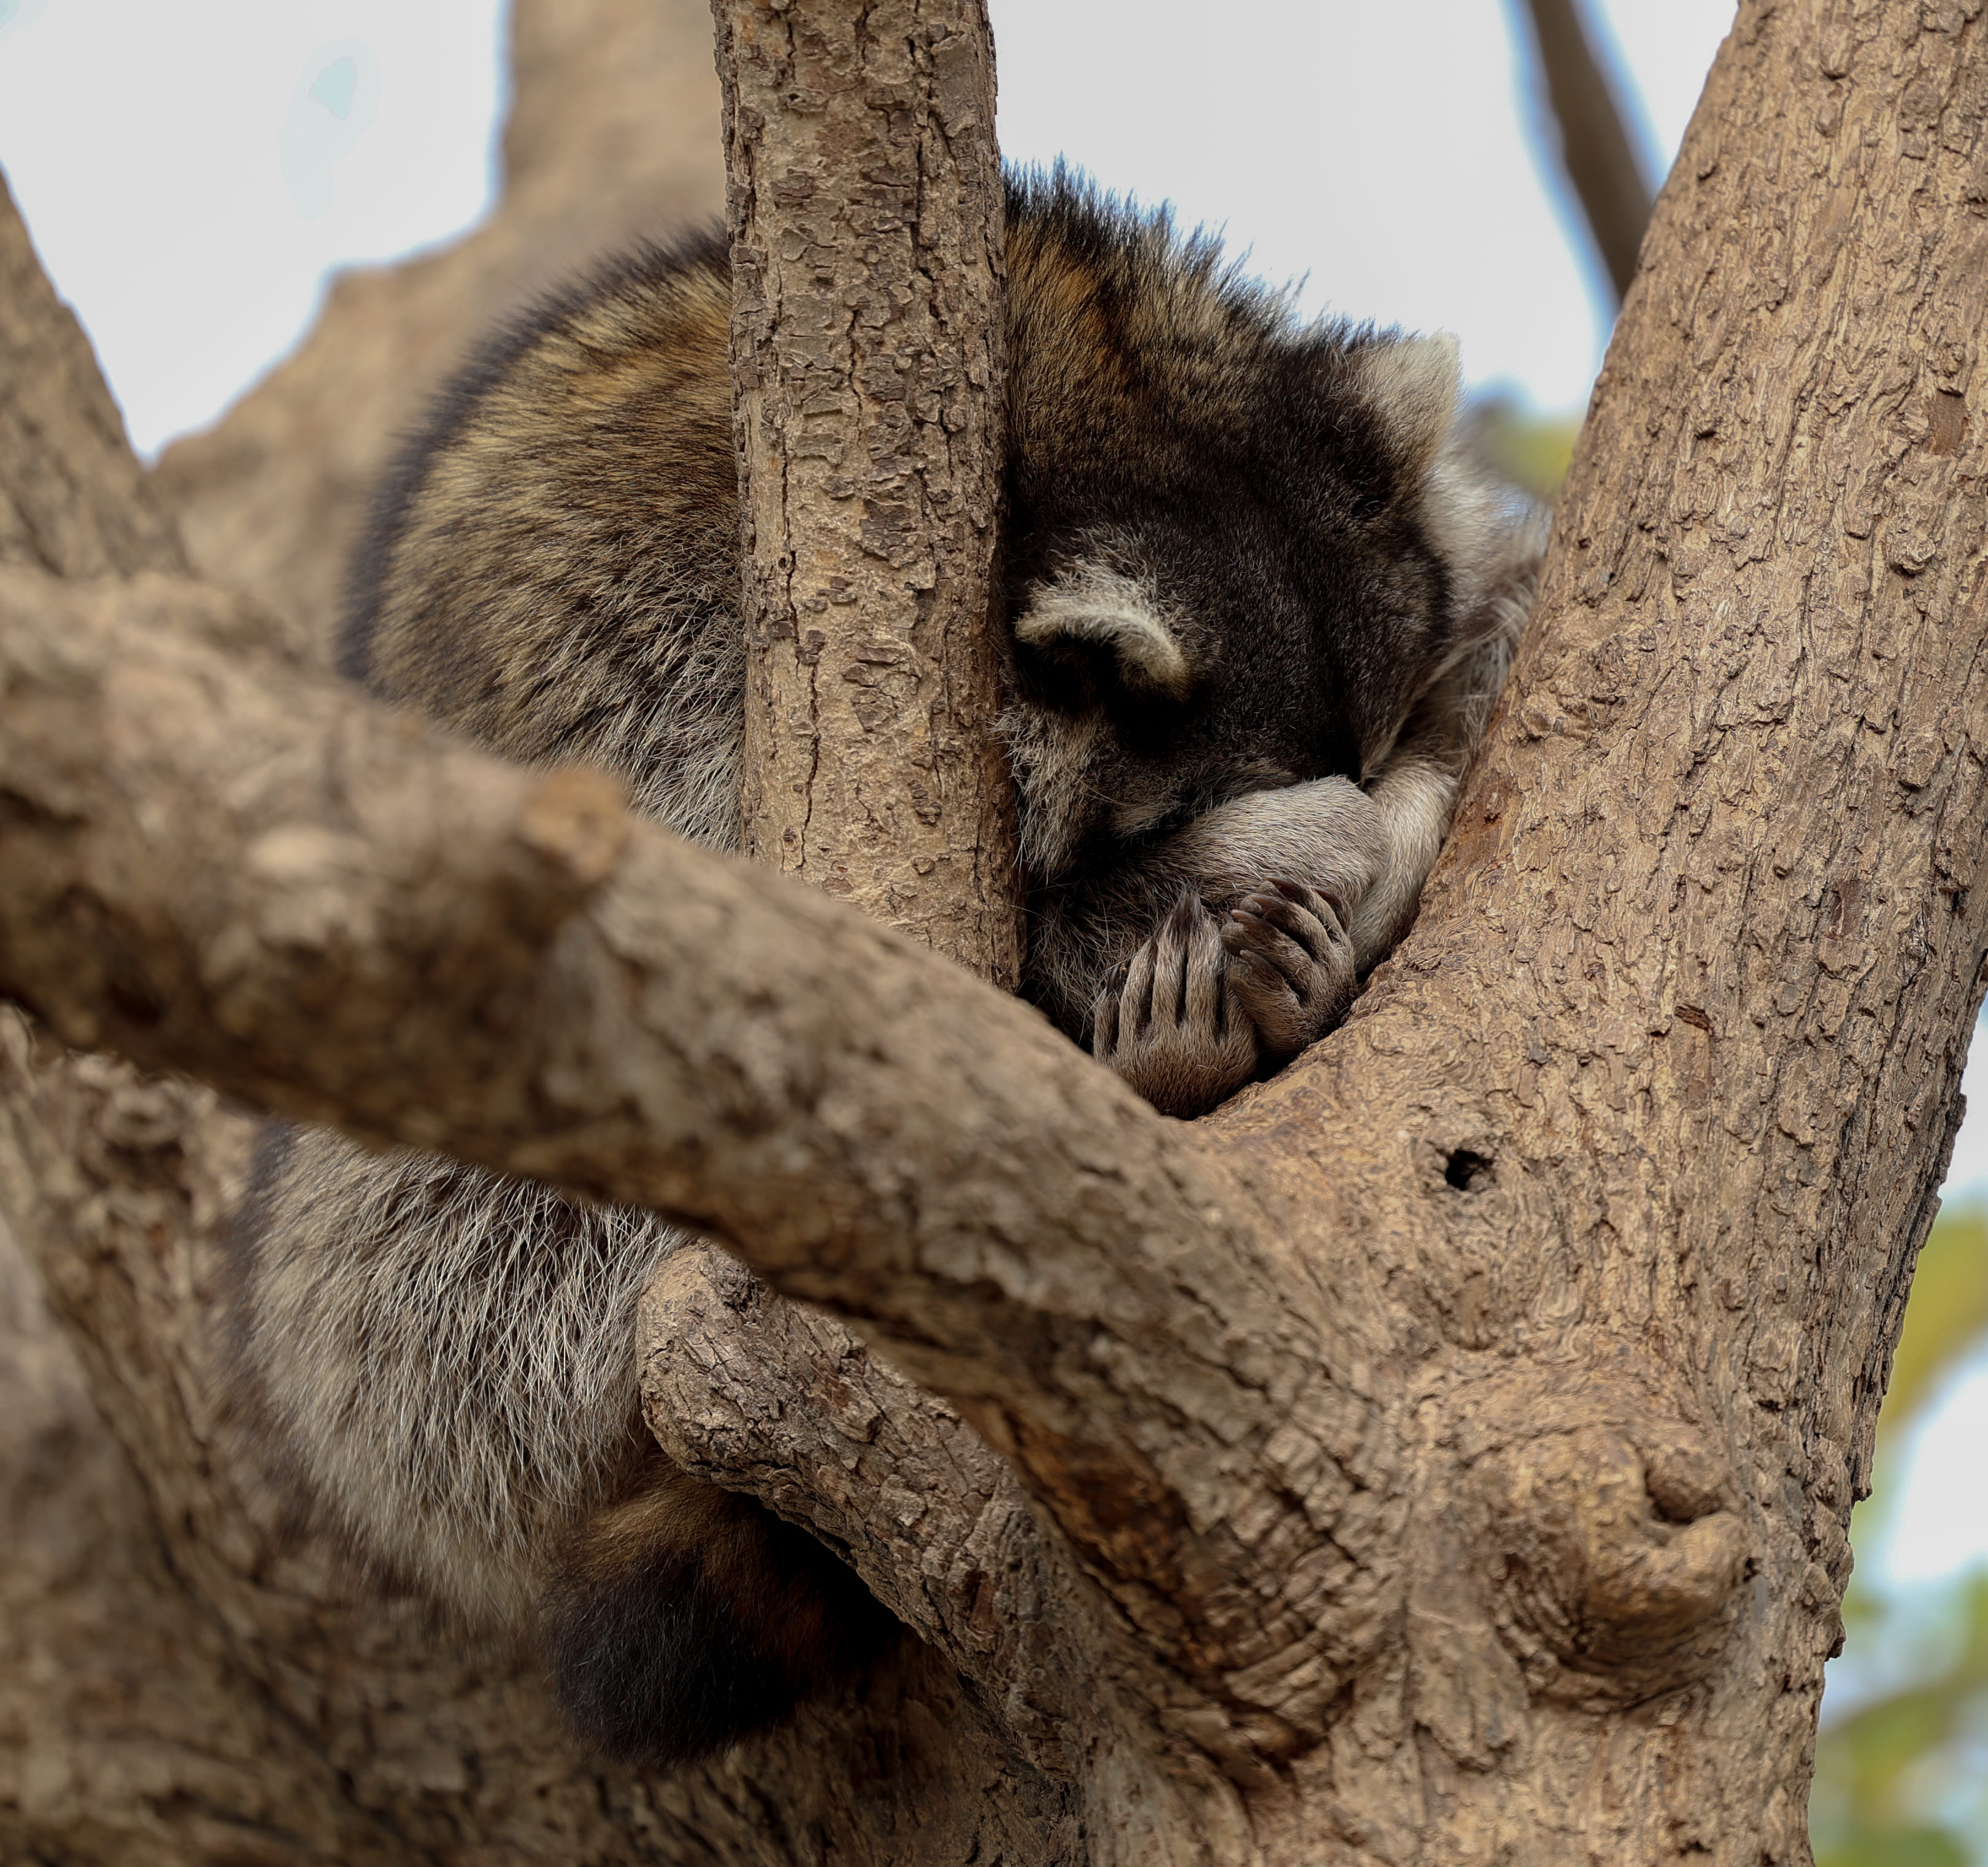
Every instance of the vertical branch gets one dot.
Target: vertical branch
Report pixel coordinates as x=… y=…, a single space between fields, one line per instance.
x=865 y=206
x=1595 y=151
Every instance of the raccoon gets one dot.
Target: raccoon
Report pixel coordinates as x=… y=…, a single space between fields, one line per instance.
x=1262 y=597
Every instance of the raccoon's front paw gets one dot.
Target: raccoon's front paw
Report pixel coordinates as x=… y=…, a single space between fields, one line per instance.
x=1291 y=965
x=1171 y=1027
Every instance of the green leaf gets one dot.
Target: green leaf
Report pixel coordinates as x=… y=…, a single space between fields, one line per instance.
x=1947 y=1316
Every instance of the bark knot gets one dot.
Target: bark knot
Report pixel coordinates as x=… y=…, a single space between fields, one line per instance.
x=576 y=818
x=1587 y=1551
x=1619 y=1561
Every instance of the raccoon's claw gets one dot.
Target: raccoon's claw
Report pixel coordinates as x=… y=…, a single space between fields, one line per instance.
x=1169 y=1024
x=1290 y=964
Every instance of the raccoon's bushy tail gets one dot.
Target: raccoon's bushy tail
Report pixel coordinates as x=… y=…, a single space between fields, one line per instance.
x=441 y=1364
x=683 y=1617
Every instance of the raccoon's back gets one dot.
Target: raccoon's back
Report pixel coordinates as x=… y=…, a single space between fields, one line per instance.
x=552 y=566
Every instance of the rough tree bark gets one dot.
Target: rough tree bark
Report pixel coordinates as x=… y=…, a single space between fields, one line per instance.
x=1383 y=1460
x=865 y=210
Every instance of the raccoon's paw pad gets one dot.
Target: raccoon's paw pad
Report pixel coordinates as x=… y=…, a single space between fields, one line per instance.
x=1170 y=1026
x=1290 y=964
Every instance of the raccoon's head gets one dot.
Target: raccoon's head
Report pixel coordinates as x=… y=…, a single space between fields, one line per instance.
x=1124 y=717
x=1239 y=547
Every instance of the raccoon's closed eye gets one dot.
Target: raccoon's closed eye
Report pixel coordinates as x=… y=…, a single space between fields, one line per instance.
x=1092 y=607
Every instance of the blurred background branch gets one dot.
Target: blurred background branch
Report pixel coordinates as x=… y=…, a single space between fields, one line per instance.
x=1580 y=117
x=1902 y=1762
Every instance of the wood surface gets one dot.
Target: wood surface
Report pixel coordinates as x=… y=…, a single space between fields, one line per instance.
x=1442 y=1454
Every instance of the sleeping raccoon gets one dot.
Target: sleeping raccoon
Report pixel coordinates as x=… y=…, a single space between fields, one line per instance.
x=1261 y=598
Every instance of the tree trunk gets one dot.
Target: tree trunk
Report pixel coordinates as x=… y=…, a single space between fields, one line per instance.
x=1443 y=1453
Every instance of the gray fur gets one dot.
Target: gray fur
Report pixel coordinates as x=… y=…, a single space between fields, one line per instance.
x=457 y=1372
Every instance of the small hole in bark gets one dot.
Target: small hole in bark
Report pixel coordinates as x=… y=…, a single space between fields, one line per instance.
x=1946 y=422
x=1467 y=1171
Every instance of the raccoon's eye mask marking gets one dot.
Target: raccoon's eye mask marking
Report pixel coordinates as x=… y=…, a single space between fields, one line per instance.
x=1096 y=604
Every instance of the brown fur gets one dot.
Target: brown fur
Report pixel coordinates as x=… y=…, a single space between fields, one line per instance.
x=579 y=531
x=681 y=1614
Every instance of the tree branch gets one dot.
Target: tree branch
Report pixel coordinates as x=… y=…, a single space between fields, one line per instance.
x=889 y=1475
x=1580 y=117
x=72 y=499
x=1419 y=1412
x=359 y=921
x=865 y=206
x=199 y=1682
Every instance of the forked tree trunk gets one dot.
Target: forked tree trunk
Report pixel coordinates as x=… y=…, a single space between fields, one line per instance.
x=1441 y=1454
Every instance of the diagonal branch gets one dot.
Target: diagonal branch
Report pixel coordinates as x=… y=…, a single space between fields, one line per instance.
x=933 y=1521
x=355 y=920
x=73 y=499
x=1422 y=1412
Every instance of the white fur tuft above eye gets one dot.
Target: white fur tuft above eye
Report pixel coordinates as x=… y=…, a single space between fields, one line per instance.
x=1413 y=383
x=1093 y=604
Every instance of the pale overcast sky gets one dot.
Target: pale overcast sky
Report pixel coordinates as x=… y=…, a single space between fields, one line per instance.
x=191 y=172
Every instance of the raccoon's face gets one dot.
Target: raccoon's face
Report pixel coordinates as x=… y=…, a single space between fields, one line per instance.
x=1234 y=554
x=1140 y=699
x=1165 y=666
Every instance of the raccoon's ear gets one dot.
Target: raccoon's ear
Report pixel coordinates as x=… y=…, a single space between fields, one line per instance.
x=1105 y=609
x=1411 y=382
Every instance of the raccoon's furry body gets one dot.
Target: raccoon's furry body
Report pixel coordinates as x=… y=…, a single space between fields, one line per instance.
x=1262 y=601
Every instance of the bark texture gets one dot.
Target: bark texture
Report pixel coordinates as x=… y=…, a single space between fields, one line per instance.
x=186 y=1678
x=72 y=498
x=1441 y=1454
x=198 y=1683
x=865 y=210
